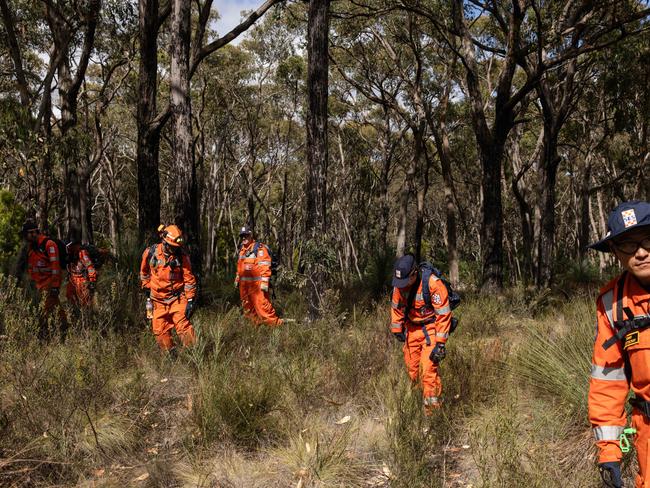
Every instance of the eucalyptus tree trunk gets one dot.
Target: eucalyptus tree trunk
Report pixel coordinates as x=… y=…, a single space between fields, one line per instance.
x=186 y=196
x=69 y=85
x=317 y=154
x=148 y=141
x=491 y=140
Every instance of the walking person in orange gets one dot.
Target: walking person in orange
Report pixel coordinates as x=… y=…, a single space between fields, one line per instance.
x=166 y=275
x=82 y=276
x=44 y=268
x=421 y=319
x=621 y=356
x=253 y=279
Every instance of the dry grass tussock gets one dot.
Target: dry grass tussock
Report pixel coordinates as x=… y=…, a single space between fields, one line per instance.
x=326 y=404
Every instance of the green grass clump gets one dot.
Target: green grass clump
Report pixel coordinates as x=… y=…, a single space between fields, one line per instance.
x=555 y=356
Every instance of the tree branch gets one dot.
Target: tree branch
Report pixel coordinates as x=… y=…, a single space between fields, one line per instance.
x=208 y=49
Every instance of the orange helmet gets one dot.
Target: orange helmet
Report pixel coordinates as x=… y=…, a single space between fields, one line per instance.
x=172 y=235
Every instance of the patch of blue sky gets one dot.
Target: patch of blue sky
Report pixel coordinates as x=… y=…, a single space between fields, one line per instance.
x=230 y=14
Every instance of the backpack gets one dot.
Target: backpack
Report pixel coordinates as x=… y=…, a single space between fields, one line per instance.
x=63 y=251
x=426 y=270
x=97 y=256
x=275 y=262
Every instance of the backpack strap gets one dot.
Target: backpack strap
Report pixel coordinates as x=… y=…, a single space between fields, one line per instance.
x=426 y=296
x=620 y=287
x=426 y=291
x=411 y=299
x=153 y=259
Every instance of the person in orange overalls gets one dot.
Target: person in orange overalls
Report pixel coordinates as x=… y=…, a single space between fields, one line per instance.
x=423 y=328
x=253 y=279
x=621 y=356
x=166 y=275
x=82 y=276
x=44 y=268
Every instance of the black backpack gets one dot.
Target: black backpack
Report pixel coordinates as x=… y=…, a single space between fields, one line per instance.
x=63 y=251
x=426 y=270
x=97 y=256
x=275 y=262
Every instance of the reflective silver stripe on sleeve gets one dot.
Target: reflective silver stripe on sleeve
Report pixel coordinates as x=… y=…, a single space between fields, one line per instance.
x=250 y=278
x=419 y=296
x=55 y=271
x=608 y=303
x=53 y=259
x=608 y=432
x=442 y=310
x=395 y=324
x=428 y=401
x=394 y=305
x=607 y=373
x=145 y=276
x=441 y=335
x=264 y=263
x=189 y=287
x=264 y=278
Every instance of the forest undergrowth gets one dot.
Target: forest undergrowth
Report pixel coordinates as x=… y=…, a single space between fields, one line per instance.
x=320 y=404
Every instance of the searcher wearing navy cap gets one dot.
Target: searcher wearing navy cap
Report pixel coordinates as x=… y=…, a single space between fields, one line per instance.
x=626 y=217
x=402 y=270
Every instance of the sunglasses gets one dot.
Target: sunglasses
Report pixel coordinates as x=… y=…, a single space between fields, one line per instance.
x=630 y=247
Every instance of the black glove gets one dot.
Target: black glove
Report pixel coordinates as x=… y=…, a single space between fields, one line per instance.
x=189 y=309
x=611 y=474
x=54 y=292
x=400 y=336
x=91 y=287
x=438 y=353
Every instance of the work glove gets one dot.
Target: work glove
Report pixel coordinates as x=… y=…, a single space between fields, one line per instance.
x=54 y=292
x=91 y=287
x=264 y=286
x=611 y=474
x=400 y=336
x=189 y=309
x=438 y=353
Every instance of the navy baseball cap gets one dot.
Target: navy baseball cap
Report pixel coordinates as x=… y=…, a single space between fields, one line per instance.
x=27 y=226
x=402 y=270
x=624 y=218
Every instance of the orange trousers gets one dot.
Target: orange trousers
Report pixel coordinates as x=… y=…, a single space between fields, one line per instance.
x=257 y=305
x=167 y=316
x=77 y=291
x=51 y=304
x=420 y=367
x=642 y=446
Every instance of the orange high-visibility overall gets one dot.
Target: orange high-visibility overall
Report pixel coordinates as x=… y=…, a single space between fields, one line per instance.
x=44 y=267
x=171 y=283
x=424 y=326
x=609 y=386
x=80 y=274
x=253 y=272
